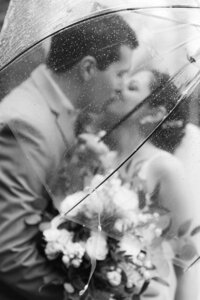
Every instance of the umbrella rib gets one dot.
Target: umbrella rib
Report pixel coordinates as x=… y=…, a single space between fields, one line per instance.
x=138 y=106
x=167 y=18
x=137 y=148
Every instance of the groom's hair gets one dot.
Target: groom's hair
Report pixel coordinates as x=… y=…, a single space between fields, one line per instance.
x=100 y=37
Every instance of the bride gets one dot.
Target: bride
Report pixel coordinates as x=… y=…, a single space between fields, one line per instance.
x=153 y=165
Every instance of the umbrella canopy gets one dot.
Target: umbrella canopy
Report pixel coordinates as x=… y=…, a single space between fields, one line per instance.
x=28 y=22
x=168 y=34
x=169 y=42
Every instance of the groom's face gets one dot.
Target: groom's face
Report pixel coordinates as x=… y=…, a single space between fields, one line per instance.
x=106 y=85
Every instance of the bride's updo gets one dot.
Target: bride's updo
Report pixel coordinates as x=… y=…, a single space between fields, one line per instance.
x=165 y=93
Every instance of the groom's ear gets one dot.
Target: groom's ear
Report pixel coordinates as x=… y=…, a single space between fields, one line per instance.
x=87 y=67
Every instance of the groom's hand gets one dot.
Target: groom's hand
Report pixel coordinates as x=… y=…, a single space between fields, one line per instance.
x=93 y=145
x=92 y=142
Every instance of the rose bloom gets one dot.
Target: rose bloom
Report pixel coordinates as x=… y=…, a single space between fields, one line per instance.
x=97 y=202
x=126 y=199
x=93 y=205
x=97 y=197
x=96 y=246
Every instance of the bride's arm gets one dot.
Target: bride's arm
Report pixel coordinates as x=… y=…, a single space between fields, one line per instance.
x=176 y=195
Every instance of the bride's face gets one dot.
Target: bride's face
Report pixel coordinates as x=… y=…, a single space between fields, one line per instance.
x=136 y=89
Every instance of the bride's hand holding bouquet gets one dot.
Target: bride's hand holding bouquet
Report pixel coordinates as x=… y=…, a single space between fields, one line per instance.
x=103 y=239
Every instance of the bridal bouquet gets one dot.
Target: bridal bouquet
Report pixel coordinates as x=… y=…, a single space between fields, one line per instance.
x=106 y=240
x=105 y=243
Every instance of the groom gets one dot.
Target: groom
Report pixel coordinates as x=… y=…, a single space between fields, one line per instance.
x=84 y=71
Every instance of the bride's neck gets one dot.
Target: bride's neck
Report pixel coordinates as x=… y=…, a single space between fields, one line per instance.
x=129 y=139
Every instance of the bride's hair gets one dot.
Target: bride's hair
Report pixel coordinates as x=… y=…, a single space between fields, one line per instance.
x=165 y=93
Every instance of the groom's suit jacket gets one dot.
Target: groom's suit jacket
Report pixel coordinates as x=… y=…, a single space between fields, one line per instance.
x=36 y=128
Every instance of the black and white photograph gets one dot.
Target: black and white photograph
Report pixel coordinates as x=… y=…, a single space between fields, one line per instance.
x=100 y=150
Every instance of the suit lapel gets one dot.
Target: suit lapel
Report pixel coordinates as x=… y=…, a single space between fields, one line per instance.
x=60 y=106
x=66 y=124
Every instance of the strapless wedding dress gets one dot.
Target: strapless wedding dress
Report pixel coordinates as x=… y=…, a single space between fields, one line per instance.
x=189 y=153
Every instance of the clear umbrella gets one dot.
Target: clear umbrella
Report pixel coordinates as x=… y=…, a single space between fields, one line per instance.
x=169 y=42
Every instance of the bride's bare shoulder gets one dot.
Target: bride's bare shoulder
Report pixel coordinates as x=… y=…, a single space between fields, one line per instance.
x=166 y=164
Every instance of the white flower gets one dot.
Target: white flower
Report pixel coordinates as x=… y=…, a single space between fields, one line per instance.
x=76 y=262
x=130 y=245
x=112 y=297
x=96 y=180
x=129 y=284
x=57 y=241
x=69 y=288
x=55 y=222
x=51 y=234
x=148 y=264
x=126 y=199
x=114 y=277
x=97 y=202
x=70 y=201
x=119 y=225
x=144 y=218
x=64 y=237
x=134 y=278
x=158 y=232
x=108 y=159
x=52 y=250
x=115 y=182
x=131 y=218
x=76 y=250
x=66 y=260
x=148 y=235
x=94 y=204
x=147 y=275
x=128 y=221
x=73 y=253
x=96 y=246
